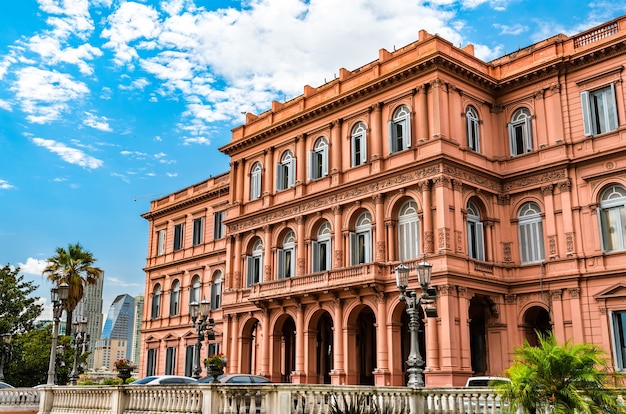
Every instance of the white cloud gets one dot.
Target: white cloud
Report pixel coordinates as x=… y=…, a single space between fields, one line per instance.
x=43 y=94
x=101 y=123
x=52 y=53
x=32 y=266
x=5 y=105
x=68 y=154
x=513 y=30
x=114 y=281
x=5 y=185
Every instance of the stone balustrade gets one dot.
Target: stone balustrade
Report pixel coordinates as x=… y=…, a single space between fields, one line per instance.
x=19 y=400
x=258 y=399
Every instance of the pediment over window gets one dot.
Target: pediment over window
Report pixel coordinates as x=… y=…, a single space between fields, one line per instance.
x=615 y=291
x=152 y=339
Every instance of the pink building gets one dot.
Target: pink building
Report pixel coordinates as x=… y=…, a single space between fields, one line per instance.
x=510 y=176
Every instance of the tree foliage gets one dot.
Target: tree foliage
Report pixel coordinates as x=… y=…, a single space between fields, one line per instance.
x=563 y=378
x=74 y=266
x=18 y=310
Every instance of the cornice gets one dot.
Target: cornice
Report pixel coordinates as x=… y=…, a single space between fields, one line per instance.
x=215 y=193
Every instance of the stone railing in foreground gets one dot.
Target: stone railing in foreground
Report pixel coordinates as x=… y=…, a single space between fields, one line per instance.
x=19 y=400
x=262 y=399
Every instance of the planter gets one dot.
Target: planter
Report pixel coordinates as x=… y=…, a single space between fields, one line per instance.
x=124 y=374
x=214 y=370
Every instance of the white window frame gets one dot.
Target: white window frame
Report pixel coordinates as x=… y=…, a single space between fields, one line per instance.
x=155 y=306
x=475 y=233
x=408 y=232
x=358 y=141
x=599 y=110
x=218 y=225
x=189 y=359
x=473 y=128
x=216 y=291
x=194 y=289
x=179 y=236
x=286 y=257
x=530 y=234
x=399 y=133
x=521 y=132
x=160 y=242
x=318 y=160
x=618 y=335
x=151 y=362
x=198 y=231
x=361 y=240
x=612 y=218
x=286 y=172
x=170 y=360
x=255 y=181
x=175 y=298
x=321 y=249
x=254 y=265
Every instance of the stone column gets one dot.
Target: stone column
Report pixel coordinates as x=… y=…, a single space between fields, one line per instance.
x=464 y=329
x=236 y=345
x=421 y=115
x=565 y=188
x=443 y=231
x=238 y=258
x=553 y=249
x=379 y=237
x=429 y=238
x=578 y=330
x=299 y=376
x=459 y=244
x=268 y=180
x=301 y=247
x=557 y=313
x=335 y=151
x=382 y=375
x=338 y=237
x=338 y=373
x=375 y=144
x=301 y=159
x=267 y=254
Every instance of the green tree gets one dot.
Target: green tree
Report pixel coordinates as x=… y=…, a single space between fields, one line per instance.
x=564 y=378
x=74 y=266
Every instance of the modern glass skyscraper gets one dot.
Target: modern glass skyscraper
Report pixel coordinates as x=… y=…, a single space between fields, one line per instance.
x=117 y=333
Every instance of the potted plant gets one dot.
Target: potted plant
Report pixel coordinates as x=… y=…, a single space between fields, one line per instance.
x=124 y=368
x=215 y=365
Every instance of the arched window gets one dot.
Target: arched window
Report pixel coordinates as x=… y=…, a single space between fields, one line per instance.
x=216 y=290
x=521 y=132
x=286 y=172
x=408 y=232
x=321 y=249
x=361 y=240
x=473 y=133
x=255 y=181
x=530 y=233
x=175 y=298
x=318 y=160
x=358 y=144
x=155 y=310
x=613 y=218
x=254 y=264
x=475 y=233
x=287 y=256
x=400 y=130
x=194 y=290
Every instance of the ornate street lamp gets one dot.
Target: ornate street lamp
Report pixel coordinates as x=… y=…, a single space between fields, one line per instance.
x=5 y=352
x=59 y=295
x=199 y=314
x=413 y=303
x=80 y=343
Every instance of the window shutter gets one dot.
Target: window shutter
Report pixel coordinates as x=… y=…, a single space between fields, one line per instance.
x=354 y=250
x=279 y=176
x=528 y=129
x=406 y=139
x=315 y=256
x=390 y=137
x=368 y=247
x=612 y=108
x=280 y=258
x=291 y=167
x=249 y=271
x=512 y=139
x=480 y=241
x=584 y=101
x=363 y=147
x=325 y=161
x=310 y=165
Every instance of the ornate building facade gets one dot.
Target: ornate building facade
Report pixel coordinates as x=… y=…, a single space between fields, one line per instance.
x=509 y=176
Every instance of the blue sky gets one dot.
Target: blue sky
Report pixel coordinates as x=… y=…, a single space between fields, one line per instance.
x=108 y=104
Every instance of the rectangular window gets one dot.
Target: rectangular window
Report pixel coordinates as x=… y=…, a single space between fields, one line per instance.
x=618 y=326
x=218 y=225
x=613 y=224
x=170 y=360
x=253 y=270
x=599 y=110
x=189 y=360
x=475 y=240
x=399 y=134
x=285 y=263
x=213 y=349
x=151 y=362
x=198 y=231
x=360 y=248
x=178 y=236
x=531 y=242
x=321 y=256
x=216 y=295
x=160 y=242
x=408 y=239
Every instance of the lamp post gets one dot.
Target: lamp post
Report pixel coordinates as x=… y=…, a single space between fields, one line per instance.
x=413 y=303
x=199 y=313
x=80 y=339
x=59 y=295
x=5 y=352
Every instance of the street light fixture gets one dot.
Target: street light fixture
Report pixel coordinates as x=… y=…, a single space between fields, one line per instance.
x=413 y=303
x=59 y=295
x=5 y=352
x=199 y=314
x=80 y=343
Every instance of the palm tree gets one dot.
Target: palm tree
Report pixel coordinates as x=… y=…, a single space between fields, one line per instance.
x=73 y=266
x=559 y=379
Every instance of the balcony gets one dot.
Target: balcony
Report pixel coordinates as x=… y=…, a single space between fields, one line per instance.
x=367 y=275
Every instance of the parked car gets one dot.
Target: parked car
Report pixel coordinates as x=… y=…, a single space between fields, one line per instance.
x=237 y=379
x=478 y=403
x=485 y=381
x=5 y=385
x=164 y=380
